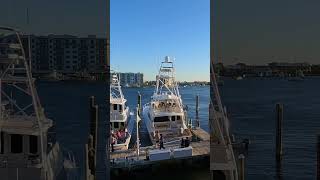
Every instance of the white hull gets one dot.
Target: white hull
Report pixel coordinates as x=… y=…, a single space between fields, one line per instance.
x=169 y=138
x=125 y=145
x=148 y=123
x=166 y=115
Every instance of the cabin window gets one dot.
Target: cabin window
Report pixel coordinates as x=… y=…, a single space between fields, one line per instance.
x=178 y=118
x=173 y=118
x=16 y=143
x=116 y=125
x=161 y=119
x=33 y=144
x=114 y=107
x=122 y=125
x=120 y=107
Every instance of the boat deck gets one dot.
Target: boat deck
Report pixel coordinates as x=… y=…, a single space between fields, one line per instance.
x=127 y=159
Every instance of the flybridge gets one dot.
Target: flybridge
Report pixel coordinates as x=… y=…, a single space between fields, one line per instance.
x=115 y=88
x=166 y=79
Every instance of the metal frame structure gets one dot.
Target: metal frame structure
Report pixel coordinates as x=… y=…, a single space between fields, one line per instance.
x=16 y=74
x=166 y=80
x=115 y=87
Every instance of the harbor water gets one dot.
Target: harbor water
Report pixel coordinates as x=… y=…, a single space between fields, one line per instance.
x=251 y=108
x=67 y=103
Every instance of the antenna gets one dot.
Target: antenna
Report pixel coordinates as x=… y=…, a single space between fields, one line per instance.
x=167 y=59
x=29 y=41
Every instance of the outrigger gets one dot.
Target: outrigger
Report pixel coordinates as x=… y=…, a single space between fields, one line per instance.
x=27 y=150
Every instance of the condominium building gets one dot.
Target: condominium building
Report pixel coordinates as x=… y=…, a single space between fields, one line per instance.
x=67 y=54
x=131 y=79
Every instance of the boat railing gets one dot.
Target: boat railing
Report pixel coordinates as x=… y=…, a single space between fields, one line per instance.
x=122 y=140
x=146 y=105
x=118 y=115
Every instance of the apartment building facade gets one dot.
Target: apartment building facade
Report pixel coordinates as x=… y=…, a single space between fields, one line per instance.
x=67 y=54
x=131 y=79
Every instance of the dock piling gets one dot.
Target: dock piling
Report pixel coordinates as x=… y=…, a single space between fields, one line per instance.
x=93 y=120
x=279 y=114
x=318 y=157
x=91 y=146
x=137 y=126
x=241 y=167
x=92 y=101
x=139 y=104
x=197 y=112
x=279 y=109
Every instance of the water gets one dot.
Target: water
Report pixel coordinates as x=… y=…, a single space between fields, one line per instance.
x=67 y=103
x=251 y=108
x=189 y=98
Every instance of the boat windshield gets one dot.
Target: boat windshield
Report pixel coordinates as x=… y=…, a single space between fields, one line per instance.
x=161 y=119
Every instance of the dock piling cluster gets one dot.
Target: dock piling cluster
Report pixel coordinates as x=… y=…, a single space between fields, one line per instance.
x=318 y=157
x=91 y=147
x=197 y=112
x=279 y=120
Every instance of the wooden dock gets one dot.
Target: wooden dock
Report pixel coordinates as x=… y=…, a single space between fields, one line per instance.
x=201 y=134
x=128 y=160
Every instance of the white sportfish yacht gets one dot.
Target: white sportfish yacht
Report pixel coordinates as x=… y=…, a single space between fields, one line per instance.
x=166 y=114
x=120 y=122
x=27 y=150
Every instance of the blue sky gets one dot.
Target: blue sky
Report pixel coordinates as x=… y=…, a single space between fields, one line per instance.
x=143 y=32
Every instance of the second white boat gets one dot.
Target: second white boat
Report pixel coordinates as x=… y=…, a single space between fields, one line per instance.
x=121 y=125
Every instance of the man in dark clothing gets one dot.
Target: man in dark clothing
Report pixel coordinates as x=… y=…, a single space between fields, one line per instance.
x=182 y=143
x=161 y=142
x=113 y=141
x=186 y=142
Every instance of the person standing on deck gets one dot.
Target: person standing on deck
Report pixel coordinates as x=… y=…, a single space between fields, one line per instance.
x=186 y=142
x=161 y=142
x=113 y=141
x=157 y=138
x=182 y=143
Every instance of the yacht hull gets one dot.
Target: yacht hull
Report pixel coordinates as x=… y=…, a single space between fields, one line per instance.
x=169 y=138
x=125 y=145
